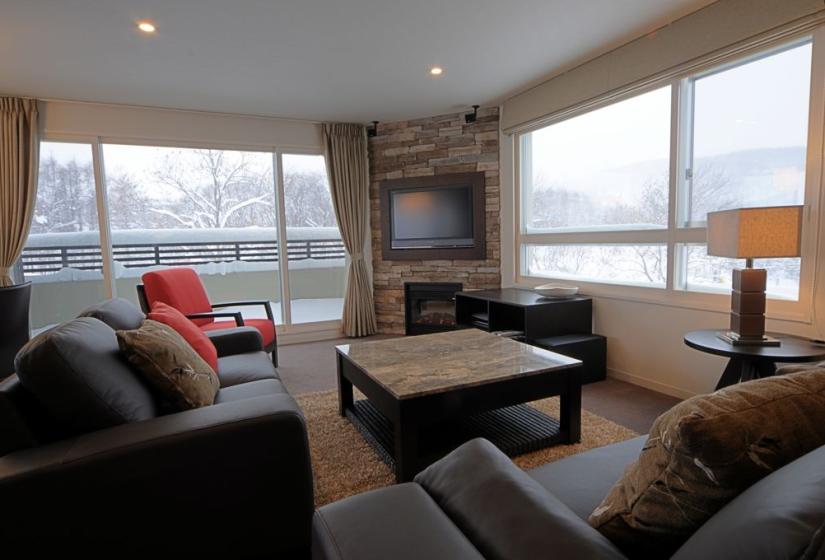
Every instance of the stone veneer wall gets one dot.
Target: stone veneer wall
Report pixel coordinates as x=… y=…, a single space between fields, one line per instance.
x=434 y=146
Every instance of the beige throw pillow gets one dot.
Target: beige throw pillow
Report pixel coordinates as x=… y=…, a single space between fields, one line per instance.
x=705 y=451
x=170 y=365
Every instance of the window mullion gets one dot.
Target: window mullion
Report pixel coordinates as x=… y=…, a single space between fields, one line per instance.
x=104 y=228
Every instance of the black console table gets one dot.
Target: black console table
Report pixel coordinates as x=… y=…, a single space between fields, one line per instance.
x=560 y=325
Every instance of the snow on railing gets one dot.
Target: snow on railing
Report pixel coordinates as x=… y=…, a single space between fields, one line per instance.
x=49 y=253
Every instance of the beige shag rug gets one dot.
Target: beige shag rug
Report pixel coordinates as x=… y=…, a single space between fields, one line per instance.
x=345 y=464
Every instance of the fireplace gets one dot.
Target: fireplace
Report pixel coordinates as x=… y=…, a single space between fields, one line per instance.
x=430 y=306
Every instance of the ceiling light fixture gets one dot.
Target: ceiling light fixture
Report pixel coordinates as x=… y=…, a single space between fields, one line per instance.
x=436 y=70
x=146 y=26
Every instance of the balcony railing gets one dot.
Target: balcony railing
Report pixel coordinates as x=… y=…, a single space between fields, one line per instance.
x=50 y=259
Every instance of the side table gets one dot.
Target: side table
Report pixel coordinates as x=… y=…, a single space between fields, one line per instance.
x=754 y=362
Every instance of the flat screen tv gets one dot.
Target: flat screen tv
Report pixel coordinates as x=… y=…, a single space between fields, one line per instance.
x=434 y=217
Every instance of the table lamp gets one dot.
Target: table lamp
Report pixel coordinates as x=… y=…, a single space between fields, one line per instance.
x=752 y=233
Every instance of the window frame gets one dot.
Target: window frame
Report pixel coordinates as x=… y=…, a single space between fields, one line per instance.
x=679 y=231
x=276 y=151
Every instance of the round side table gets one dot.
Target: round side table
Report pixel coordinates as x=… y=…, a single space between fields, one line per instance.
x=754 y=362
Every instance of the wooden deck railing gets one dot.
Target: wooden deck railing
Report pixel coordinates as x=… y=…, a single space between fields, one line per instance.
x=47 y=260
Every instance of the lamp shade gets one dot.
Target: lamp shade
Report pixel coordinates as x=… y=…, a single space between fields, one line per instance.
x=755 y=233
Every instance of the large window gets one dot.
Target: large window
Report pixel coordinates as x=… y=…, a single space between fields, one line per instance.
x=242 y=223
x=614 y=195
x=62 y=257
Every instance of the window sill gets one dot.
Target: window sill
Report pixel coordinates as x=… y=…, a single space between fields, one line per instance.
x=779 y=310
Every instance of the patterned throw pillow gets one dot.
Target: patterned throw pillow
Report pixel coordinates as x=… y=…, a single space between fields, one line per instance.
x=705 y=451
x=170 y=365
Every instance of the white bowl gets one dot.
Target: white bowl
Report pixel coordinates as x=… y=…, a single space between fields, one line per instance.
x=556 y=290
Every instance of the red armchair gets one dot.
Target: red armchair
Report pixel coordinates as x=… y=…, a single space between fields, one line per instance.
x=182 y=289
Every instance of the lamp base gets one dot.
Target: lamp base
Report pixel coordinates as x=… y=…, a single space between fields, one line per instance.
x=734 y=339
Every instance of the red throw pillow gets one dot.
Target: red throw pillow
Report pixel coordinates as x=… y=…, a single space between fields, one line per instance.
x=190 y=332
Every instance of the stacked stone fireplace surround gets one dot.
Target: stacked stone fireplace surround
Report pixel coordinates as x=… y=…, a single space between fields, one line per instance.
x=434 y=146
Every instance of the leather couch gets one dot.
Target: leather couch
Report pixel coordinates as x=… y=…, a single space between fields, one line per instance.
x=475 y=503
x=229 y=479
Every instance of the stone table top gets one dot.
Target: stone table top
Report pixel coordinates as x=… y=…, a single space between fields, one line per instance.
x=414 y=366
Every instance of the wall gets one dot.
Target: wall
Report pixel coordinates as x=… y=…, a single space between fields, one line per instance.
x=684 y=42
x=433 y=146
x=175 y=127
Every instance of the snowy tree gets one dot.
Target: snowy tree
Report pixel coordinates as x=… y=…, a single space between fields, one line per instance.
x=213 y=189
x=307 y=200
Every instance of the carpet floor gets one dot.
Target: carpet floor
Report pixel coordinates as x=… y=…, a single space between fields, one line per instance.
x=345 y=464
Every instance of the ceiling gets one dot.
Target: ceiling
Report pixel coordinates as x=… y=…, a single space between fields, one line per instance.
x=341 y=60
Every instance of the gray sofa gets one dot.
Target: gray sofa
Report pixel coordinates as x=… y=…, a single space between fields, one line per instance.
x=122 y=479
x=475 y=503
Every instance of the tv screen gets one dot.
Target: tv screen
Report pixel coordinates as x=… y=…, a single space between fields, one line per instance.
x=432 y=217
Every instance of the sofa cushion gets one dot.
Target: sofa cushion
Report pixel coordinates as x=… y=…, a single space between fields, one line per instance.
x=400 y=522
x=243 y=368
x=504 y=512
x=704 y=452
x=170 y=316
x=250 y=390
x=582 y=481
x=778 y=517
x=118 y=313
x=170 y=365
x=77 y=372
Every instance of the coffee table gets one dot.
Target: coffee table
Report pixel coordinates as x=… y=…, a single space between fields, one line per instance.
x=427 y=394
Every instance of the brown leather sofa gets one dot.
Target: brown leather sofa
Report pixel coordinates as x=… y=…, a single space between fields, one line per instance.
x=89 y=464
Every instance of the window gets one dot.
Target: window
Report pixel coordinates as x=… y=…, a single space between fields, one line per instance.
x=750 y=129
x=607 y=169
x=212 y=210
x=246 y=221
x=596 y=190
x=631 y=264
x=316 y=252
x=62 y=256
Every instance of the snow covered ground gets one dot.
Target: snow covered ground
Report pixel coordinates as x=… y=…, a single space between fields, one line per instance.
x=303 y=310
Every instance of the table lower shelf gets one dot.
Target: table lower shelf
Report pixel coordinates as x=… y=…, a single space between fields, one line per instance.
x=515 y=430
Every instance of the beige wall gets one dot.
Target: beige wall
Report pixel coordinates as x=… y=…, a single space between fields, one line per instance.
x=717 y=26
x=171 y=126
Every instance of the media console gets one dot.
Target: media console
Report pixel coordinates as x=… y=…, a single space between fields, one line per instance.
x=560 y=325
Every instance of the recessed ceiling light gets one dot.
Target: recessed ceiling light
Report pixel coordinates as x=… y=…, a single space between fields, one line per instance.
x=146 y=26
x=436 y=70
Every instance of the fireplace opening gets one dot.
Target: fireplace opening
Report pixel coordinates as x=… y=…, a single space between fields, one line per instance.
x=430 y=306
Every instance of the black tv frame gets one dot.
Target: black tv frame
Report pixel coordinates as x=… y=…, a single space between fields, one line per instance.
x=475 y=252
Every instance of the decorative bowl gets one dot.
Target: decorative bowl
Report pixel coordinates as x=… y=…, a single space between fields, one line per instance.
x=556 y=290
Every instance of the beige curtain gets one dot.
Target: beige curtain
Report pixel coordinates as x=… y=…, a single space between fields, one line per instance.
x=19 y=156
x=345 y=147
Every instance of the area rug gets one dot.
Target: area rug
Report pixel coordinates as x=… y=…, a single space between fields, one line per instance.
x=345 y=464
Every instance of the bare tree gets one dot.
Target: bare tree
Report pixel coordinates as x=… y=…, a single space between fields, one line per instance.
x=213 y=190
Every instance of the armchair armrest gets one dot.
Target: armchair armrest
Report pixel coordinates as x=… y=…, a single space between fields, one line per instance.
x=239 y=340
x=233 y=477
x=212 y=315
x=267 y=305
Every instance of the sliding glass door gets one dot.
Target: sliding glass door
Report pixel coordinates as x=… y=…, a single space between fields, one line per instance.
x=109 y=212
x=316 y=252
x=211 y=210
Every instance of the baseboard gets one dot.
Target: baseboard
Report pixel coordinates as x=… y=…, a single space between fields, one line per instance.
x=677 y=392
x=309 y=336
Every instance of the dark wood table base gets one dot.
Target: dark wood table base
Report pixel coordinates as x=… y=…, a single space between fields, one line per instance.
x=411 y=434
x=514 y=429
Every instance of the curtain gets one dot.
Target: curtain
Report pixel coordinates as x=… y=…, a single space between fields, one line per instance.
x=19 y=158
x=345 y=148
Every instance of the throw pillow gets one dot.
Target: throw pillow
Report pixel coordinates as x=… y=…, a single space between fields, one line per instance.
x=170 y=365
x=196 y=338
x=705 y=451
